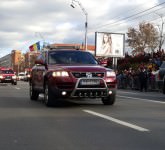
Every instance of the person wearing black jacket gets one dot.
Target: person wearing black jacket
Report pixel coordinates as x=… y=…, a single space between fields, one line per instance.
x=143 y=77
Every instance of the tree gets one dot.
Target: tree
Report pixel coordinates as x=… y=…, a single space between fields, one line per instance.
x=146 y=37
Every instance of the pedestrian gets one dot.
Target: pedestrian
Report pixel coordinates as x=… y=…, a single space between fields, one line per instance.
x=143 y=77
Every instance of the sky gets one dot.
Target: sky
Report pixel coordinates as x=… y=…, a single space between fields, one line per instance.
x=24 y=22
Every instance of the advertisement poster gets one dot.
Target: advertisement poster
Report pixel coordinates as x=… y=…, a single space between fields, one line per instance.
x=109 y=44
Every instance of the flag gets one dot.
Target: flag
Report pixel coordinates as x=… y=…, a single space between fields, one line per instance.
x=35 y=47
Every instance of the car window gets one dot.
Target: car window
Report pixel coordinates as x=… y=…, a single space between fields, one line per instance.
x=21 y=74
x=7 y=71
x=71 y=57
x=163 y=65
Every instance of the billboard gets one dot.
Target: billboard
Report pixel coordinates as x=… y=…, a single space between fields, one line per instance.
x=109 y=44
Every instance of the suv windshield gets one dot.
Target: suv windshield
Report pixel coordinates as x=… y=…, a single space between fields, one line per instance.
x=163 y=65
x=7 y=71
x=71 y=57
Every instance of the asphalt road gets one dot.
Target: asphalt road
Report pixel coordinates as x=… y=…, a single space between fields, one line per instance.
x=135 y=122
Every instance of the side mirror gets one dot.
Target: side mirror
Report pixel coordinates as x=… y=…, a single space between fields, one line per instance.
x=103 y=62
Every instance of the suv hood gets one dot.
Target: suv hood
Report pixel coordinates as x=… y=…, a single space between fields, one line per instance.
x=80 y=68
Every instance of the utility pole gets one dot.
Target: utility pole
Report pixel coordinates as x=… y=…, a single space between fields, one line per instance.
x=161 y=38
x=86 y=19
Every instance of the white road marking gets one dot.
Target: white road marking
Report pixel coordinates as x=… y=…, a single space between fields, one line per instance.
x=148 y=100
x=17 y=88
x=117 y=121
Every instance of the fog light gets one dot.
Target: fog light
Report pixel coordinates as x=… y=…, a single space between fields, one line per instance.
x=110 y=92
x=64 y=93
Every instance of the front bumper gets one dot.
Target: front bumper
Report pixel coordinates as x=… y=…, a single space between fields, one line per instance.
x=91 y=88
x=8 y=80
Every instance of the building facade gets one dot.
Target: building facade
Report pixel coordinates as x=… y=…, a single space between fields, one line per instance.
x=5 y=61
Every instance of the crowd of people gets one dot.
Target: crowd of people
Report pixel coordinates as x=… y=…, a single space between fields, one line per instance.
x=144 y=78
x=141 y=79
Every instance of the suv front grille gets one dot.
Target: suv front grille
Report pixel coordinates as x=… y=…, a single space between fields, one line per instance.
x=8 y=77
x=84 y=74
x=90 y=87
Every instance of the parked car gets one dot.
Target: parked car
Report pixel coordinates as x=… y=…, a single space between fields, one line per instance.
x=27 y=74
x=7 y=75
x=21 y=76
x=27 y=77
x=160 y=77
x=71 y=74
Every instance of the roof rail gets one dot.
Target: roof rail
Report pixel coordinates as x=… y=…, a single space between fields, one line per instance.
x=74 y=47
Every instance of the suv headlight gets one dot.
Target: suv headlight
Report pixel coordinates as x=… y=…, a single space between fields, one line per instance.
x=110 y=74
x=14 y=77
x=60 y=74
x=1 y=77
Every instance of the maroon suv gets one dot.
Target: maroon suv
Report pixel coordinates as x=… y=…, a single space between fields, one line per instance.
x=71 y=74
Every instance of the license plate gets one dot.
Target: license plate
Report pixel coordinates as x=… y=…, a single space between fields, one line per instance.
x=90 y=82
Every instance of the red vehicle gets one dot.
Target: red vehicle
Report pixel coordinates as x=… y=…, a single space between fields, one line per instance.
x=71 y=74
x=7 y=75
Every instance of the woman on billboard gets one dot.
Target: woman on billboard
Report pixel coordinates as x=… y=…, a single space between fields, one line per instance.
x=106 y=47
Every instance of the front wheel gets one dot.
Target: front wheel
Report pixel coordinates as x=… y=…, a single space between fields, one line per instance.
x=14 y=83
x=33 y=94
x=109 y=100
x=48 y=96
x=164 y=87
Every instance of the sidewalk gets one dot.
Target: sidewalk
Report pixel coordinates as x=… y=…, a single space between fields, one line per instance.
x=148 y=90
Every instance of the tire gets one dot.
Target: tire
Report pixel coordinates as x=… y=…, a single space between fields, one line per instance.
x=48 y=96
x=13 y=83
x=33 y=94
x=110 y=100
x=164 y=87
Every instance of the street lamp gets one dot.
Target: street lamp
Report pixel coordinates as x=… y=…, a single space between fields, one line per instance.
x=161 y=41
x=73 y=4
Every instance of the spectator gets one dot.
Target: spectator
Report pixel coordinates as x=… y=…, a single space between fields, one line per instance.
x=143 y=77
